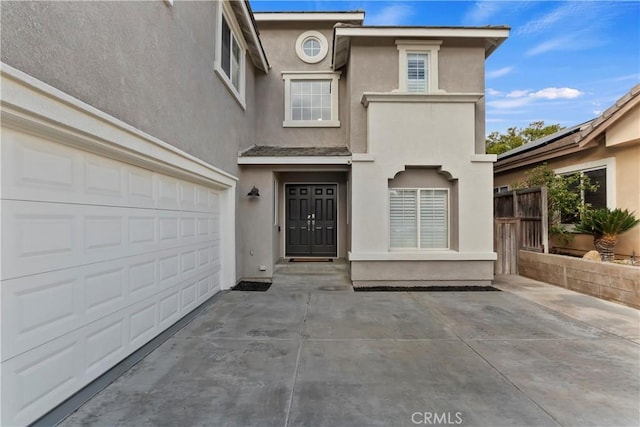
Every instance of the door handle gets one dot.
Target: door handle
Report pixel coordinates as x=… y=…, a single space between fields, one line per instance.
x=309 y=222
x=313 y=222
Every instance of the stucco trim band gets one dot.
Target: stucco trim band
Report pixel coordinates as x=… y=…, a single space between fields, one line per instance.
x=450 y=98
x=422 y=256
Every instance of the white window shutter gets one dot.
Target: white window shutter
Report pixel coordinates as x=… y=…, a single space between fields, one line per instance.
x=403 y=218
x=434 y=219
x=417 y=72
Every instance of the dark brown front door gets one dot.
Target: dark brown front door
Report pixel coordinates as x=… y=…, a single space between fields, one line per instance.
x=311 y=220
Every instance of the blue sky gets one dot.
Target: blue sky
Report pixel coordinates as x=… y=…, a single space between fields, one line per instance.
x=564 y=62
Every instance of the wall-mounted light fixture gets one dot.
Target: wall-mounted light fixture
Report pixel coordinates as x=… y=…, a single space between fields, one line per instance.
x=254 y=192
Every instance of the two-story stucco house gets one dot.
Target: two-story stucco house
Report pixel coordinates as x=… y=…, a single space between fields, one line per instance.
x=155 y=153
x=370 y=147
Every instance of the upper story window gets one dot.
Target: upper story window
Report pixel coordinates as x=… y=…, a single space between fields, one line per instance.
x=418 y=65
x=230 y=54
x=312 y=47
x=310 y=99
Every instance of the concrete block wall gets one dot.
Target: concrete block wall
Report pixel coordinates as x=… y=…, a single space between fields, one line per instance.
x=608 y=281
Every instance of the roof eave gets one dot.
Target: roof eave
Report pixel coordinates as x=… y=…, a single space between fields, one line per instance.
x=245 y=17
x=356 y=16
x=625 y=104
x=493 y=36
x=559 y=148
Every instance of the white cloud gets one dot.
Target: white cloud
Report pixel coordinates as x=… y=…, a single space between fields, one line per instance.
x=556 y=93
x=568 y=10
x=493 y=92
x=561 y=43
x=481 y=12
x=573 y=25
x=499 y=72
x=519 y=98
x=517 y=93
x=396 y=14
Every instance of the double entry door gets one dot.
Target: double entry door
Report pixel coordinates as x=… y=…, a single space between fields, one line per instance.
x=311 y=220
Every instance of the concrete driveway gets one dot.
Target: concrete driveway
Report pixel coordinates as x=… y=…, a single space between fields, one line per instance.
x=312 y=352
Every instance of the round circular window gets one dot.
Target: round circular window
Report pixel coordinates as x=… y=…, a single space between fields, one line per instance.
x=312 y=47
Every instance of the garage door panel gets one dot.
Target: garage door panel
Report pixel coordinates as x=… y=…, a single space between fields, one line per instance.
x=85 y=294
x=35 y=382
x=105 y=346
x=47 y=374
x=41 y=170
x=142 y=324
x=40 y=237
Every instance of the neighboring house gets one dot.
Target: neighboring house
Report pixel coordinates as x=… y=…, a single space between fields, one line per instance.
x=134 y=132
x=606 y=149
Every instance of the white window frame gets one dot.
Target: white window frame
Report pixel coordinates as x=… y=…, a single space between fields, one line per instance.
x=428 y=47
x=276 y=198
x=324 y=47
x=418 y=228
x=501 y=189
x=608 y=163
x=334 y=77
x=224 y=11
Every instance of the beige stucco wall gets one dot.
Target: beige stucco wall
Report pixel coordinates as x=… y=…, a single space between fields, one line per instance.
x=416 y=273
x=148 y=64
x=626 y=189
x=405 y=134
x=279 y=40
x=374 y=65
x=626 y=129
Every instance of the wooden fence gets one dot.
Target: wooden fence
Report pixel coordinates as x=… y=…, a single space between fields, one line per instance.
x=520 y=223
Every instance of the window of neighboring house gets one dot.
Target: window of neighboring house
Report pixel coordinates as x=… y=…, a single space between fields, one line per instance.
x=595 y=199
x=229 y=63
x=418 y=65
x=311 y=100
x=419 y=218
x=501 y=189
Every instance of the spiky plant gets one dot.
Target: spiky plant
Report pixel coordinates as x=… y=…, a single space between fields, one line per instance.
x=605 y=225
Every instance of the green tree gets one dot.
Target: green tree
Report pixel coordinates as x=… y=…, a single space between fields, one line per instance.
x=564 y=197
x=498 y=143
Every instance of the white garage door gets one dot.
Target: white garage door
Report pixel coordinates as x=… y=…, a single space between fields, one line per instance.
x=98 y=257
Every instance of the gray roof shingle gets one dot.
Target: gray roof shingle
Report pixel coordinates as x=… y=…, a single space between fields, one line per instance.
x=273 y=151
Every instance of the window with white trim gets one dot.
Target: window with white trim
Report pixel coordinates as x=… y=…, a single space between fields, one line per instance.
x=230 y=54
x=418 y=218
x=601 y=172
x=594 y=199
x=311 y=99
x=312 y=47
x=418 y=65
